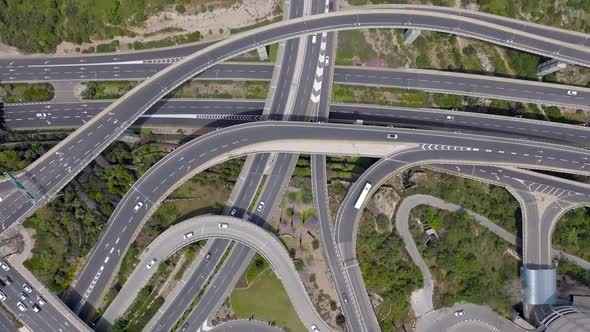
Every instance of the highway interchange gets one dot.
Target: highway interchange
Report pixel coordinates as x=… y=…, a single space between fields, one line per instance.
x=417 y=147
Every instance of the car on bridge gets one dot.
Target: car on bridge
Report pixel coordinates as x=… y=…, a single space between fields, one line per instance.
x=138 y=206
x=151 y=263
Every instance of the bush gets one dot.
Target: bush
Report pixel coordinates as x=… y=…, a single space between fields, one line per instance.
x=180 y=8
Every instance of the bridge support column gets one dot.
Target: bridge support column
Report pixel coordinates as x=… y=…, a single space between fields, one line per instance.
x=129 y=137
x=262 y=53
x=550 y=66
x=410 y=35
x=540 y=292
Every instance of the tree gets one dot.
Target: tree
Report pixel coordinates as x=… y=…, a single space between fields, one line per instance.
x=119 y=179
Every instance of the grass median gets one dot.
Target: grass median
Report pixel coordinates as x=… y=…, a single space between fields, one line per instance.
x=265 y=299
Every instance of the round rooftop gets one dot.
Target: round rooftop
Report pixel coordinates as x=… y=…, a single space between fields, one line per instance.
x=567 y=319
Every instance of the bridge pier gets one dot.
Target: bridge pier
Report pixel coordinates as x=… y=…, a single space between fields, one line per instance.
x=129 y=137
x=410 y=35
x=550 y=66
x=262 y=53
x=540 y=292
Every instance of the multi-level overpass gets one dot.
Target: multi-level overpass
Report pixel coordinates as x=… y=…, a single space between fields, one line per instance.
x=142 y=64
x=121 y=116
x=418 y=147
x=111 y=122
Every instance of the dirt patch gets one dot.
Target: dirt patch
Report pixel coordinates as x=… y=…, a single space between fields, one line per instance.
x=486 y=63
x=18 y=244
x=385 y=201
x=299 y=228
x=213 y=19
x=224 y=314
x=171 y=282
x=8 y=51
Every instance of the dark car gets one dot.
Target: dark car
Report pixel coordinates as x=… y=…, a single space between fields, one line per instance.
x=184 y=327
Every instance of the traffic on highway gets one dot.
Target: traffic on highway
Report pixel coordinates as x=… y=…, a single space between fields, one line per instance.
x=296 y=116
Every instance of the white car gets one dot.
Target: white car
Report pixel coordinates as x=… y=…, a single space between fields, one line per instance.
x=392 y=136
x=572 y=92
x=314 y=328
x=5 y=266
x=459 y=313
x=40 y=300
x=41 y=115
x=450 y=117
x=327 y=62
x=151 y=263
x=223 y=225
x=36 y=308
x=188 y=235
x=233 y=212
x=260 y=207
x=27 y=288
x=138 y=206
x=21 y=306
x=2 y=296
x=314 y=37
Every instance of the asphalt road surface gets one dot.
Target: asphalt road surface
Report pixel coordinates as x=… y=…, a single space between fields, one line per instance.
x=96 y=135
x=264 y=242
x=116 y=66
x=222 y=113
x=40 y=185
x=418 y=79
x=193 y=156
x=474 y=318
x=47 y=319
x=276 y=106
x=244 y=326
x=6 y=324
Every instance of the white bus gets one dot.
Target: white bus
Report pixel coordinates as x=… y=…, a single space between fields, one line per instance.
x=362 y=196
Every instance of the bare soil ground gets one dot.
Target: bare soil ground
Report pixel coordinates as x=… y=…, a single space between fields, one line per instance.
x=212 y=18
x=299 y=235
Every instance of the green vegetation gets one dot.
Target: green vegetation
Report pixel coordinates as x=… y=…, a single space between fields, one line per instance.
x=190 y=252
x=107 y=89
x=266 y=300
x=491 y=201
x=119 y=179
x=40 y=25
x=258 y=265
x=273 y=50
x=435 y=50
x=19 y=156
x=11 y=317
x=341 y=170
x=66 y=230
x=381 y=96
x=190 y=89
x=353 y=47
x=110 y=47
x=388 y=271
x=309 y=213
x=570 y=14
x=468 y=263
x=148 y=300
x=572 y=233
x=24 y=92
x=575 y=272
x=204 y=193
x=37 y=136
